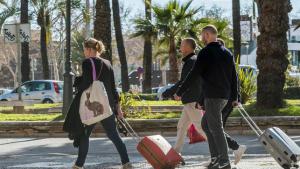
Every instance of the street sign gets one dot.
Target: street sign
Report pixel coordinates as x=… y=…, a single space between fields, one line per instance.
x=10 y=33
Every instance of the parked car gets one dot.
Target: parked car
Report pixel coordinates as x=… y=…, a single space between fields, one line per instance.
x=163 y=89
x=155 y=89
x=40 y=91
x=4 y=91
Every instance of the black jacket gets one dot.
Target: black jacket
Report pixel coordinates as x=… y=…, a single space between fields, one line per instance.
x=194 y=91
x=215 y=64
x=73 y=124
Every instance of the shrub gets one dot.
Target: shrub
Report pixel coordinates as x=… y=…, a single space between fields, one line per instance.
x=292 y=81
x=247 y=82
x=128 y=102
x=147 y=97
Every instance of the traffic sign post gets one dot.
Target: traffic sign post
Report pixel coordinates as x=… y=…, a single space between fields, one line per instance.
x=17 y=33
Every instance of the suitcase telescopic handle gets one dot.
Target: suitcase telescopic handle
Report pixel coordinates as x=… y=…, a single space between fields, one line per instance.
x=249 y=120
x=130 y=130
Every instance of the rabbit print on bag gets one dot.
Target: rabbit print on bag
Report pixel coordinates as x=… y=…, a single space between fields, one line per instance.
x=96 y=107
x=94 y=103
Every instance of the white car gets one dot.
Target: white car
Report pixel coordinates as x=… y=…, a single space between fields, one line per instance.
x=39 y=91
x=4 y=91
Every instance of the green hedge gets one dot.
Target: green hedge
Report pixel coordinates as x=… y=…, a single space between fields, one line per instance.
x=142 y=96
x=292 y=93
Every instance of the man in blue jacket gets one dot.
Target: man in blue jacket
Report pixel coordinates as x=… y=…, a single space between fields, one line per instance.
x=215 y=65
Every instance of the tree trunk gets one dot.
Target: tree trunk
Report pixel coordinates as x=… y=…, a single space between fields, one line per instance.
x=236 y=19
x=174 y=73
x=147 y=60
x=272 y=51
x=25 y=61
x=88 y=19
x=102 y=26
x=120 y=45
x=43 y=41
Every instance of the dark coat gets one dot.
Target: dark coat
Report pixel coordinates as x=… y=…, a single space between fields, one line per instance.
x=73 y=124
x=215 y=64
x=194 y=92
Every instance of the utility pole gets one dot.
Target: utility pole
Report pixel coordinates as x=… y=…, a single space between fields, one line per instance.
x=68 y=75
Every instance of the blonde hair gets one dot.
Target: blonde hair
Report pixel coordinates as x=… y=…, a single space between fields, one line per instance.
x=94 y=44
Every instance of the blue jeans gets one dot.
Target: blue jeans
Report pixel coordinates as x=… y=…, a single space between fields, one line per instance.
x=109 y=126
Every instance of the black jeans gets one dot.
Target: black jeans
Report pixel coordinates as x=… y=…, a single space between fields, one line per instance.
x=232 y=144
x=213 y=127
x=109 y=126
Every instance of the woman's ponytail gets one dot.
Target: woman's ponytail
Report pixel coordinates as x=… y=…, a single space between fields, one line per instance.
x=94 y=44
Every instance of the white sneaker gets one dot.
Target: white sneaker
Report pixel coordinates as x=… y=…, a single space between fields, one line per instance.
x=127 y=166
x=238 y=154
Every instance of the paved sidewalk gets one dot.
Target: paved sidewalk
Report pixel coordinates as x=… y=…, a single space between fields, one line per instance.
x=58 y=153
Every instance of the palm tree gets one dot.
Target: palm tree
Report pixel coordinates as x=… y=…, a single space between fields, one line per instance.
x=87 y=19
x=173 y=21
x=42 y=10
x=236 y=19
x=25 y=63
x=272 y=52
x=147 y=60
x=120 y=45
x=102 y=26
x=7 y=10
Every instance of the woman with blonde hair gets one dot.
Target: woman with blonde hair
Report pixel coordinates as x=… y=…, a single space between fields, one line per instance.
x=79 y=132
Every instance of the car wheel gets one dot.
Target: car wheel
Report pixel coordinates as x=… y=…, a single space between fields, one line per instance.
x=47 y=101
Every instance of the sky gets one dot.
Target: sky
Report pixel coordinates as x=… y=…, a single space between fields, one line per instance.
x=137 y=5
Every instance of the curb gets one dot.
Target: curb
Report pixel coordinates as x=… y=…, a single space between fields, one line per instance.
x=166 y=127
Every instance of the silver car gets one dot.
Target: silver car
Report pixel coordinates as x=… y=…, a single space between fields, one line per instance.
x=39 y=91
x=163 y=89
x=4 y=91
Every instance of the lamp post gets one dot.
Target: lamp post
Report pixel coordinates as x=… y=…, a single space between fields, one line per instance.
x=68 y=75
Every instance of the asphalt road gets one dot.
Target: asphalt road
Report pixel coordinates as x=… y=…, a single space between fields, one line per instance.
x=33 y=153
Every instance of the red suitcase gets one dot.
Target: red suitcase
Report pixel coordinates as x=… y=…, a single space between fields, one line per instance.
x=156 y=150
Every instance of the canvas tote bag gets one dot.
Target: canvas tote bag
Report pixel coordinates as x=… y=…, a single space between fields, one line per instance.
x=94 y=104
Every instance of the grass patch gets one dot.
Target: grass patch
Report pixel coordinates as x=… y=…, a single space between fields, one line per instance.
x=35 y=106
x=292 y=108
x=31 y=117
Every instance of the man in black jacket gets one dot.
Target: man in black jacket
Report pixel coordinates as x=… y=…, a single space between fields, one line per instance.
x=215 y=64
x=238 y=150
x=192 y=95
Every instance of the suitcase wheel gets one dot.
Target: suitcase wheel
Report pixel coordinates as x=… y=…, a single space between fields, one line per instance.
x=182 y=162
x=286 y=166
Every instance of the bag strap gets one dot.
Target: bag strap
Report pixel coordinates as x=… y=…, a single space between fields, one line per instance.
x=94 y=70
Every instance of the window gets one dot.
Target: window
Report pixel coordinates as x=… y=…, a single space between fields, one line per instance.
x=60 y=85
x=27 y=87
x=41 y=86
